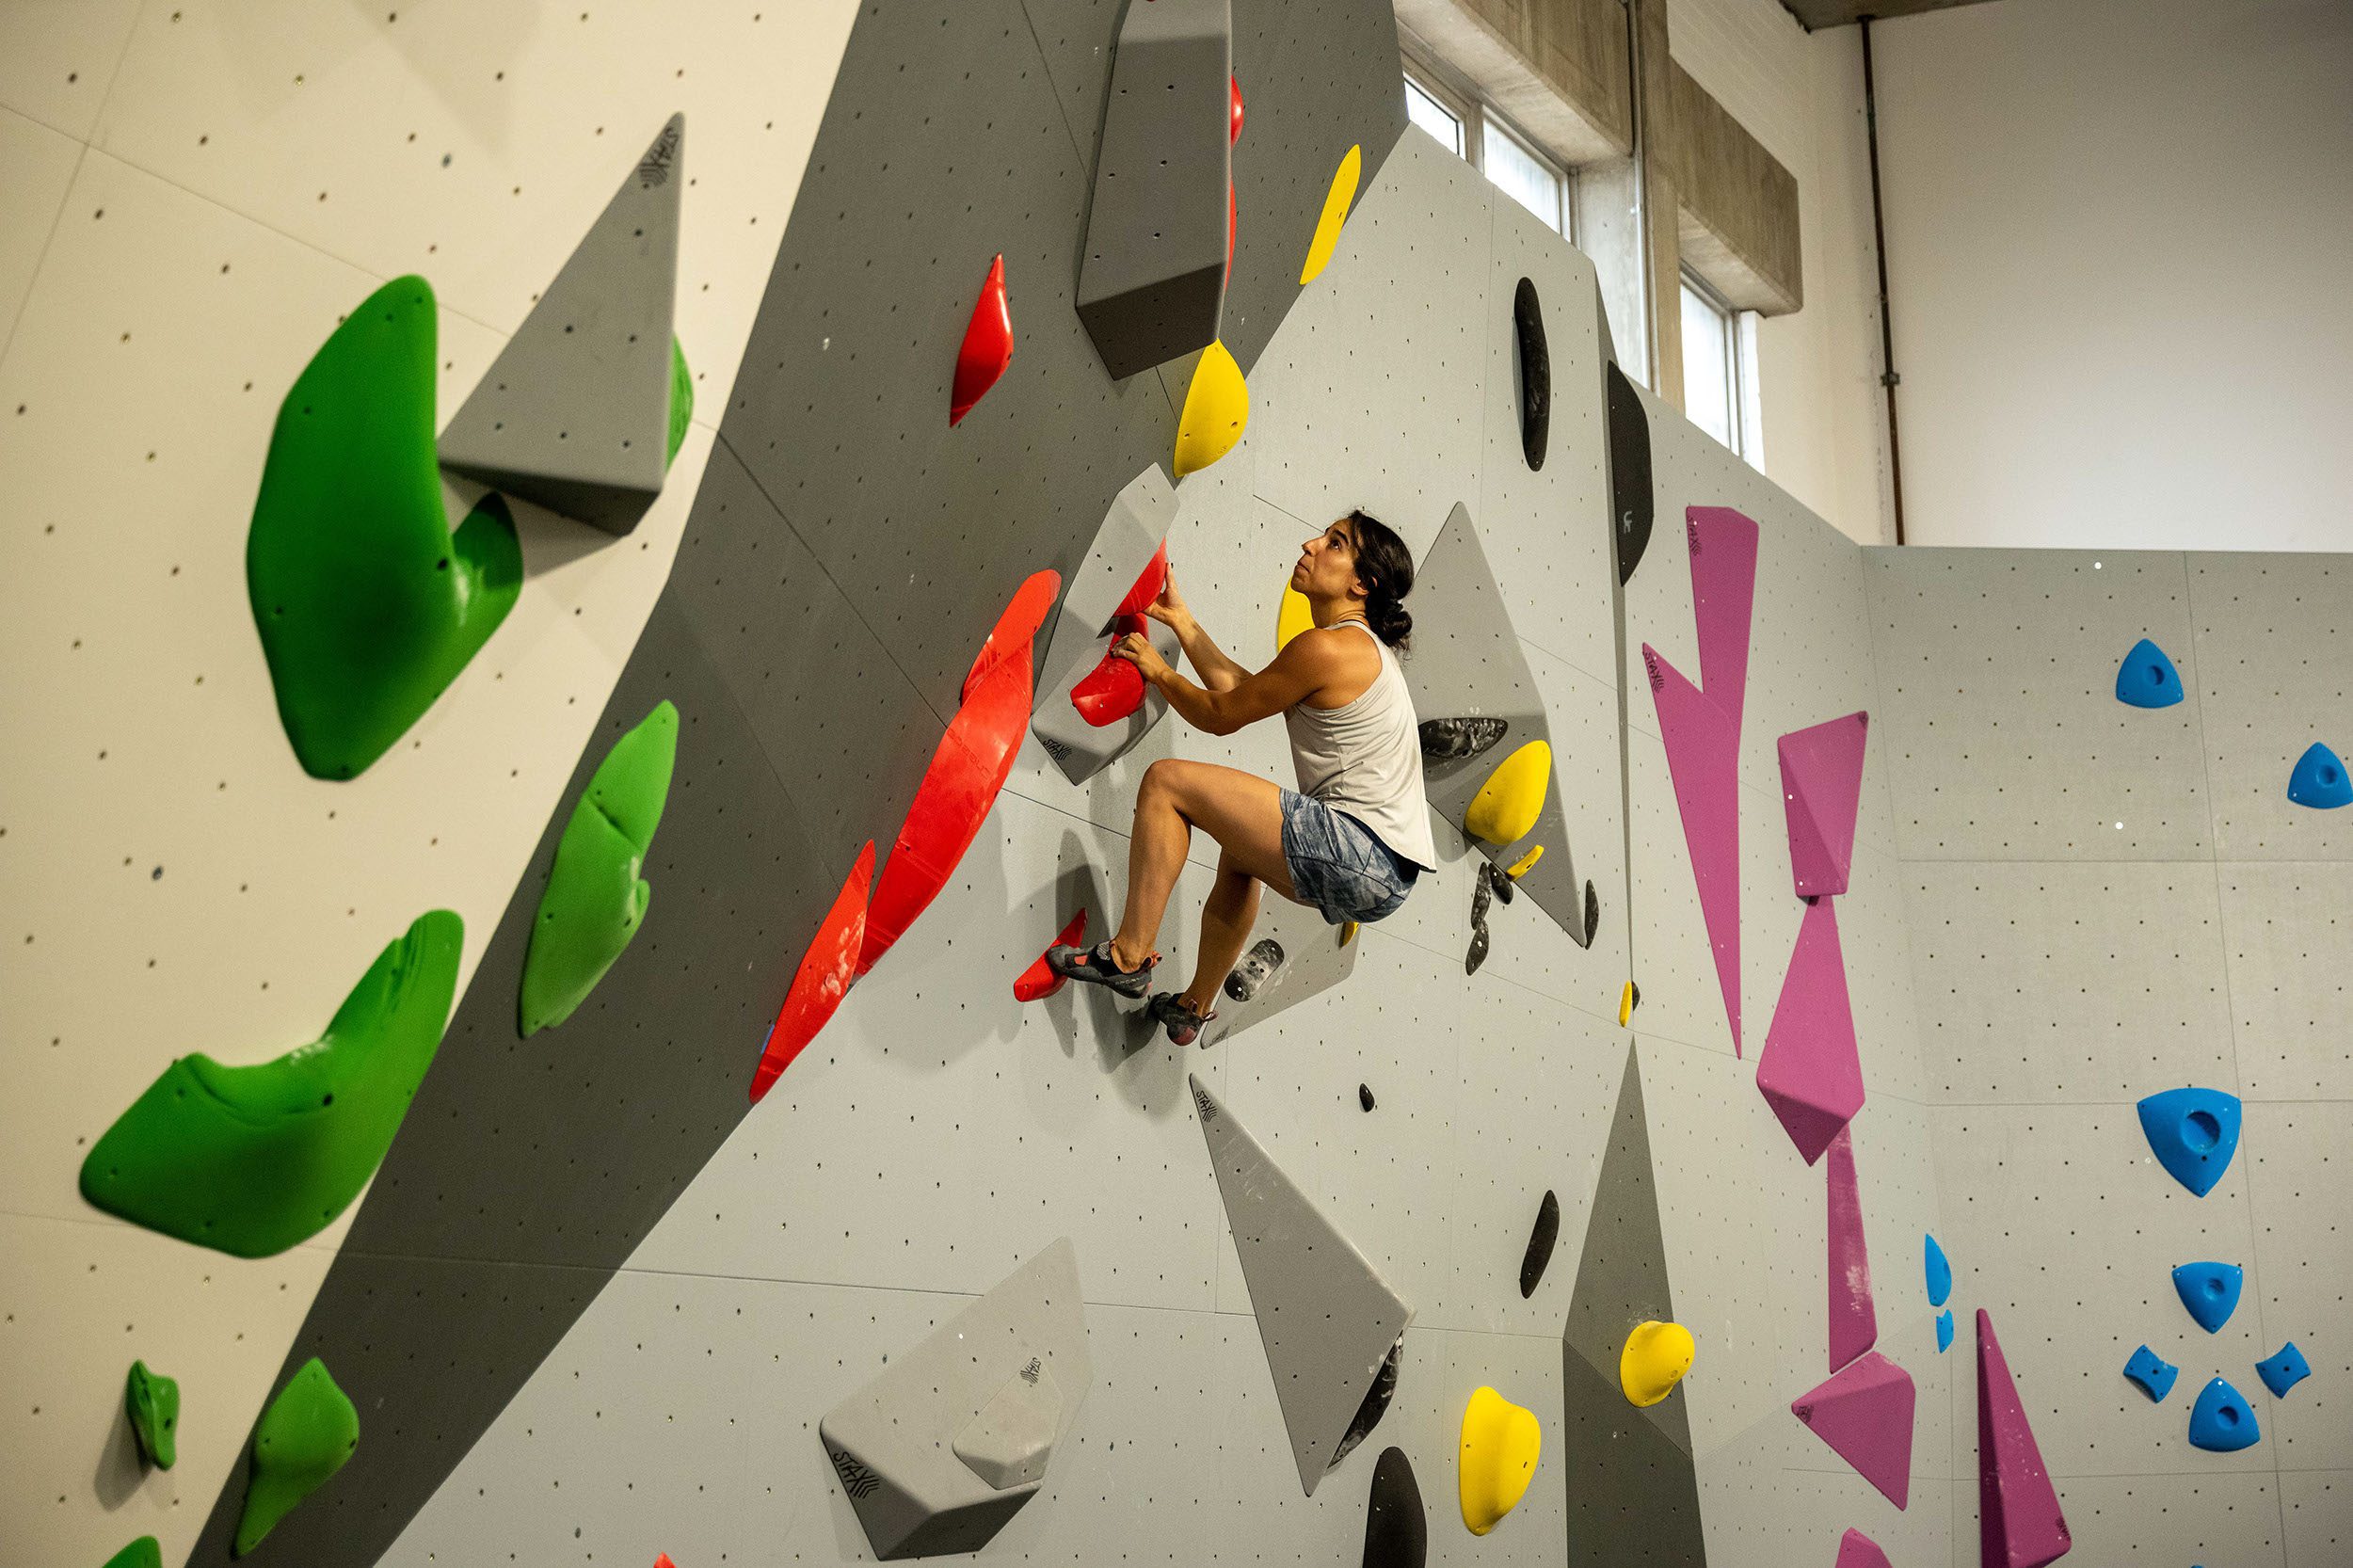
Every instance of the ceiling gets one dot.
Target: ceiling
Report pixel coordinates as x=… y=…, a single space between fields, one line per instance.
x=1817 y=14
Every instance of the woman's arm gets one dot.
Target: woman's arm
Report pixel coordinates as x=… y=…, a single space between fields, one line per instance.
x=1217 y=672
x=1308 y=662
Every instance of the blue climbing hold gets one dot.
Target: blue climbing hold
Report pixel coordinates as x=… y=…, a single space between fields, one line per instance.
x=2193 y=1132
x=2209 y=1291
x=1940 y=1271
x=2319 y=780
x=2284 y=1370
x=2147 y=678
x=1944 y=1331
x=2154 y=1373
x=2221 y=1423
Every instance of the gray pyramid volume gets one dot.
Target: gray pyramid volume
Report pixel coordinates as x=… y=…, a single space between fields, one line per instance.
x=1133 y=530
x=1152 y=274
x=1326 y=1319
x=935 y=1454
x=1467 y=664
x=575 y=412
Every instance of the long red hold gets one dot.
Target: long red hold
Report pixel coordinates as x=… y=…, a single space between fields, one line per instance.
x=823 y=977
x=987 y=345
x=1037 y=981
x=1017 y=625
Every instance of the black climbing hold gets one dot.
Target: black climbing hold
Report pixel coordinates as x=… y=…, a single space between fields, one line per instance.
x=1459 y=740
x=1480 y=893
x=1630 y=473
x=1500 y=884
x=1593 y=913
x=1363 y=1096
x=1528 y=327
x=1540 y=1241
x=1395 y=1533
x=1370 y=1413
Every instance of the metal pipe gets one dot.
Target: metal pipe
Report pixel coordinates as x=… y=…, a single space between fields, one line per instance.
x=1888 y=378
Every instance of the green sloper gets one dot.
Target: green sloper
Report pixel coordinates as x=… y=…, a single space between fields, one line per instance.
x=152 y=1402
x=367 y=605
x=253 y=1159
x=145 y=1552
x=681 y=397
x=595 y=900
x=305 y=1437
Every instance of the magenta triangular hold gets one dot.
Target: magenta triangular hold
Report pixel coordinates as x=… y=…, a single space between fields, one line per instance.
x=1723 y=598
x=1821 y=787
x=2019 y=1522
x=1854 y=1323
x=1864 y=1414
x=1855 y=1550
x=1809 y=1072
x=1703 y=754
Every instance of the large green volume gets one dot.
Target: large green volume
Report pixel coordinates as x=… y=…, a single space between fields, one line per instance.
x=253 y=1159
x=152 y=1402
x=367 y=605
x=305 y=1437
x=595 y=900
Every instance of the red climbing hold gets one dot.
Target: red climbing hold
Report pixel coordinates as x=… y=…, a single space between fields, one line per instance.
x=1233 y=130
x=1148 y=586
x=661 y=1560
x=824 y=975
x=987 y=345
x=1114 y=688
x=956 y=794
x=1031 y=604
x=1037 y=981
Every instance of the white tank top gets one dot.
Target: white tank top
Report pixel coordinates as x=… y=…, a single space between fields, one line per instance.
x=1364 y=758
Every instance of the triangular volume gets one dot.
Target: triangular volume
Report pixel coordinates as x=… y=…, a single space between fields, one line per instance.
x=1809 y=1071
x=574 y=414
x=2319 y=780
x=1118 y=566
x=2193 y=1132
x=1821 y=789
x=1703 y=756
x=1858 y=1550
x=2147 y=678
x=2019 y=1522
x=1723 y=599
x=1864 y=1414
x=900 y=1444
x=1854 y=1325
x=1326 y=1319
x=2209 y=1293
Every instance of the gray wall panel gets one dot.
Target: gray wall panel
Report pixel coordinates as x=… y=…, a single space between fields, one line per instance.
x=2300 y=1184
x=2289 y=926
x=2316 y=1517
x=2275 y=673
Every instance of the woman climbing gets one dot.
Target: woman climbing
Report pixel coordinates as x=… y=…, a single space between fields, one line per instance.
x=1349 y=842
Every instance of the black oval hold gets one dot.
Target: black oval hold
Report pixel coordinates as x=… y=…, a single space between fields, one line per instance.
x=1630 y=473
x=1593 y=914
x=1448 y=743
x=1528 y=325
x=1363 y=1096
x=1540 y=1241
x=1395 y=1533
x=1375 y=1406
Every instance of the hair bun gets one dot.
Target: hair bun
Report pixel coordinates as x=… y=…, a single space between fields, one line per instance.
x=1390 y=621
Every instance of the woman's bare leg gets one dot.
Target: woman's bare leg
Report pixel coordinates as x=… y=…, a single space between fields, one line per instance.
x=1241 y=811
x=1226 y=916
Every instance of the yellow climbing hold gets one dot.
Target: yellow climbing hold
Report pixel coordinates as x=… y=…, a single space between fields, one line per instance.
x=1506 y=806
x=1217 y=406
x=1653 y=1361
x=1500 y=1446
x=1347 y=933
x=1336 y=205
x=1627 y=998
x=1519 y=867
x=1295 y=616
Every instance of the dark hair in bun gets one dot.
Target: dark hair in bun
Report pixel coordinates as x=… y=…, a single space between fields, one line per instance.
x=1386 y=567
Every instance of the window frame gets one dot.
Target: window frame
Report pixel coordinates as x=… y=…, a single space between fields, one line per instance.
x=1474 y=113
x=1738 y=341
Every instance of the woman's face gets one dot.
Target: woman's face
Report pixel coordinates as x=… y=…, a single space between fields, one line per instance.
x=1327 y=565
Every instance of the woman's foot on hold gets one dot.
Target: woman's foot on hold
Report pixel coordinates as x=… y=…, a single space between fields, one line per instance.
x=1095 y=965
x=1172 y=1013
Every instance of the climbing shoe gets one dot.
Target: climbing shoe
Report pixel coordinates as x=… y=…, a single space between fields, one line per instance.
x=1183 y=1024
x=1095 y=966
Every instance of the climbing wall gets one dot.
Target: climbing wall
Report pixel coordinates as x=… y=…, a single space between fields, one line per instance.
x=2107 y=902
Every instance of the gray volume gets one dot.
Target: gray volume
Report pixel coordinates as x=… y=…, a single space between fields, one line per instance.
x=1152 y=275
x=1133 y=530
x=574 y=414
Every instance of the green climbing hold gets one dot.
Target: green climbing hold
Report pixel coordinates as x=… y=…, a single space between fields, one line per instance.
x=595 y=899
x=145 y=1552
x=251 y=1160
x=152 y=1402
x=681 y=397
x=305 y=1437
x=367 y=605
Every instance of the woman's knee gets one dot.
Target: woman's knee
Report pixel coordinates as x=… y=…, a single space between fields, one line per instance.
x=1162 y=783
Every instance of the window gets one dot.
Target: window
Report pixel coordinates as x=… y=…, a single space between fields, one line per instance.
x=1713 y=395
x=1475 y=133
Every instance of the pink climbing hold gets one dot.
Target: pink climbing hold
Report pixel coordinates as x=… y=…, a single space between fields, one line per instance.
x=1854 y=1325
x=2019 y=1522
x=1703 y=754
x=1858 y=1550
x=1723 y=544
x=1863 y=1413
x=1821 y=787
x=1809 y=1072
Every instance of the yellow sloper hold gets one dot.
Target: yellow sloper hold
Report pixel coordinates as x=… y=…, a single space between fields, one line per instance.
x=1217 y=406
x=1518 y=867
x=1626 y=1000
x=1295 y=615
x=1500 y=1447
x=1336 y=204
x=1653 y=1361
x=1506 y=806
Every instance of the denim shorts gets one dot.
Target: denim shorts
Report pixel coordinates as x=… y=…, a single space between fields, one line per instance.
x=1339 y=865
